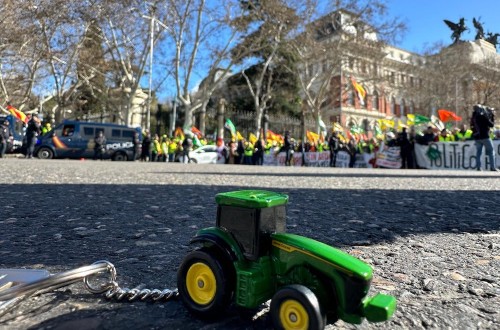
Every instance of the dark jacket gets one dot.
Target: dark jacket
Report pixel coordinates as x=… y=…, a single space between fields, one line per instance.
x=481 y=122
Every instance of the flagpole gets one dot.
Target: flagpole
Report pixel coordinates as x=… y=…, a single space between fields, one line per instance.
x=340 y=94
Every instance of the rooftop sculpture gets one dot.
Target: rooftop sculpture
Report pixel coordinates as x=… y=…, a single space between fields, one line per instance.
x=457 y=28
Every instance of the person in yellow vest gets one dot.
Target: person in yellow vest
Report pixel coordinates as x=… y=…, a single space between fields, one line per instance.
x=248 y=153
x=445 y=136
x=268 y=147
x=463 y=133
x=164 y=148
x=172 y=148
x=46 y=128
x=156 y=152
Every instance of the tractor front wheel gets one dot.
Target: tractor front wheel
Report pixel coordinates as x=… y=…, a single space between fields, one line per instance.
x=203 y=284
x=296 y=307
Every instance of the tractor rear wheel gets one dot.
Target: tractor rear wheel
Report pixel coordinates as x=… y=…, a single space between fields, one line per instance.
x=296 y=307
x=204 y=284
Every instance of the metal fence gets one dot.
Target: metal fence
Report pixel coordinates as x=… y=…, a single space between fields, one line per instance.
x=244 y=121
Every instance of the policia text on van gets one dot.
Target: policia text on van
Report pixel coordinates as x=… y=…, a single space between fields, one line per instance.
x=75 y=139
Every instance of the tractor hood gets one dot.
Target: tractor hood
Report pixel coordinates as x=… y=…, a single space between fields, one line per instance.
x=332 y=256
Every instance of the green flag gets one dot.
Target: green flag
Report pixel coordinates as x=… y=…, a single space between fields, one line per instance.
x=230 y=126
x=419 y=119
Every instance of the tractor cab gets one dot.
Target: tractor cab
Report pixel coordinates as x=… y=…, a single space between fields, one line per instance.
x=251 y=216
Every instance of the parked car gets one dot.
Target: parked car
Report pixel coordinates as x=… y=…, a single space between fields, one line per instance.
x=207 y=155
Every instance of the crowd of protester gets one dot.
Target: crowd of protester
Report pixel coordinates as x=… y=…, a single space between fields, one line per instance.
x=251 y=151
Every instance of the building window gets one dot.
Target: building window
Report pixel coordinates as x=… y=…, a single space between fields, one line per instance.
x=362 y=67
x=375 y=104
x=350 y=100
x=393 y=106
x=402 y=108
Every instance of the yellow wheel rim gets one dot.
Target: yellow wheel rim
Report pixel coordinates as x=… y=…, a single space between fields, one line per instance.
x=293 y=315
x=200 y=283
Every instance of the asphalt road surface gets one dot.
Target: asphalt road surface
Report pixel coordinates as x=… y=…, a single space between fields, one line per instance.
x=432 y=237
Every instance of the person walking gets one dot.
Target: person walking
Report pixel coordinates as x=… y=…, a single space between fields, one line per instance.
x=32 y=131
x=482 y=120
x=333 y=145
x=288 y=149
x=187 y=147
x=136 y=144
x=146 y=147
x=406 y=148
x=99 y=146
x=4 y=137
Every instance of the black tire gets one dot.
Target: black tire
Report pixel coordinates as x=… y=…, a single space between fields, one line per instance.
x=205 y=283
x=193 y=161
x=120 y=157
x=45 y=153
x=296 y=307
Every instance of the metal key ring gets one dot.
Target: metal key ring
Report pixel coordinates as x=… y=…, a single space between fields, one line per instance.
x=104 y=287
x=61 y=279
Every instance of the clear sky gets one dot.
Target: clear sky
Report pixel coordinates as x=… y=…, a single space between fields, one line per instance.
x=424 y=20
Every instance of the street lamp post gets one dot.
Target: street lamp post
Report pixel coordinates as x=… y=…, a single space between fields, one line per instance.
x=151 y=49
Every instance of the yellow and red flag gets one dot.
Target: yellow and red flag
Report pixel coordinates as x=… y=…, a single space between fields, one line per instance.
x=274 y=137
x=18 y=114
x=179 y=133
x=360 y=90
x=312 y=137
x=446 y=115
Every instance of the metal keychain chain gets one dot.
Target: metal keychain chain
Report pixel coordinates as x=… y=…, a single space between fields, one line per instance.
x=110 y=288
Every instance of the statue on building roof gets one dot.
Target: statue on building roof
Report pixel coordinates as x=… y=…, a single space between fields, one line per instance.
x=492 y=38
x=479 y=28
x=457 y=28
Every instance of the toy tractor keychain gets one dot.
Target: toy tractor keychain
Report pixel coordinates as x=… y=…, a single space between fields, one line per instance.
x=247 y=259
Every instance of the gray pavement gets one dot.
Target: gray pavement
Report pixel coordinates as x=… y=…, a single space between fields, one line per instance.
x=432 y=237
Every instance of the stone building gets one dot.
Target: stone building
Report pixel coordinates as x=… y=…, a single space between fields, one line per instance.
x=398 y=82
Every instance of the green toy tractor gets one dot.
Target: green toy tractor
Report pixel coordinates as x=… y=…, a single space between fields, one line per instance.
x=247 y=259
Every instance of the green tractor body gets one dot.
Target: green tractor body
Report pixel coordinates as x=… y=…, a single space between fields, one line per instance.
x=310 y=281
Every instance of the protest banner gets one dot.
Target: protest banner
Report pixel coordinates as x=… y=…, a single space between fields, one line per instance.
x=453 y=155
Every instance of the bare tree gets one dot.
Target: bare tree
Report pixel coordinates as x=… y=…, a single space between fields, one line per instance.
x=457 y=77
x=328 y=45
x=21 y=56
x=202 y=34
x=267 y=25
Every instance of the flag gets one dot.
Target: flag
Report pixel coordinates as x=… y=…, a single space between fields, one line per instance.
x=401 y=125
x=337 y=127
x=274 y=137
x=179 y=133
x=230 y=126
x=322 y=125
x=386 y=123
x=196 y=141
x=239 y=137
x=17 y=114
x=410 y=119
x=446 y=115
x=417 y=119
x=312 y=137
x=252 y=138
x=360 y=91
x=196 y=132
x=437 y=122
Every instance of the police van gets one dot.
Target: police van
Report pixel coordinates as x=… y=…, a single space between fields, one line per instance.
x=75 y=140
